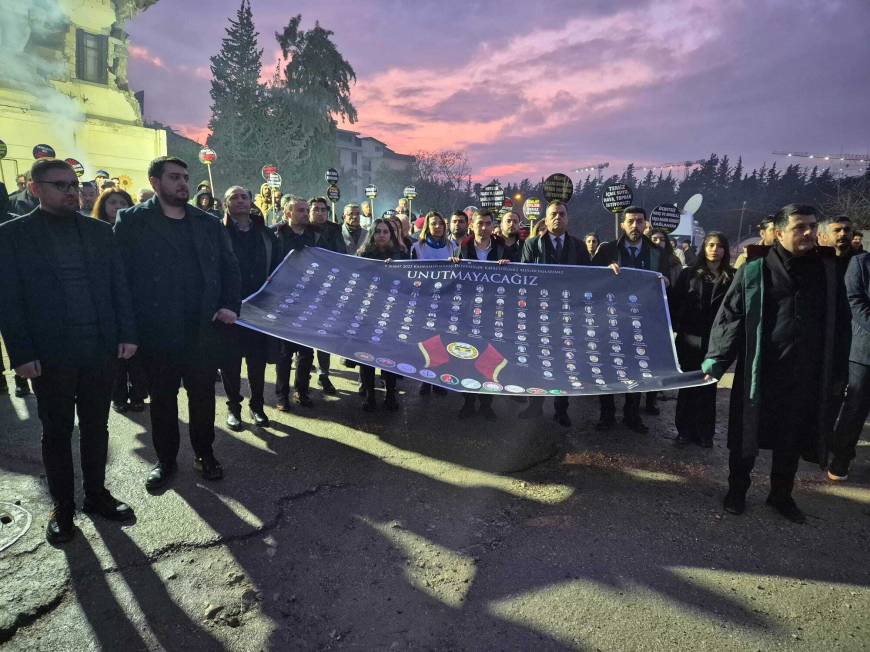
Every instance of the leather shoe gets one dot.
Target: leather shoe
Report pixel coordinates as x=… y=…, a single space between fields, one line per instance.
x=209 y=468
x=159 y=475
x=605 y=423
x=301 y=398
x=327 y=386
x=562 y=419
x=260 y=418
x=234 y=421
x=636 y=425
x=283 y=405
x=734 y=503
x=788 y=508
x=60 y=524
x=107 y=506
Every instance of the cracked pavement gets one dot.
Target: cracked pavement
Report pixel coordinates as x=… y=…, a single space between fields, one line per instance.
x=336 y=529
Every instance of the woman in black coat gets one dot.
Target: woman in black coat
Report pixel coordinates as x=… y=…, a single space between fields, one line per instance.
x=380 y=244
x=695 y=300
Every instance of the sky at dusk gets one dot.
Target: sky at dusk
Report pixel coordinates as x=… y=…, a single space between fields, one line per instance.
x=527 y=89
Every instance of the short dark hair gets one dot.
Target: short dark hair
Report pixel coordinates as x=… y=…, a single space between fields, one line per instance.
x=318 y=200
x=485 y=212
x=836 y=219
x=457 y=214
x=556 y=202
x=592 y=234
x=634 y=209
x=765 y=222
x=780 y=220
x=155 y=168
x=42 y=166
x=88 y=184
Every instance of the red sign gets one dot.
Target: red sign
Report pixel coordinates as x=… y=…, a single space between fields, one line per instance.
x=268 y=170
x=507 y=203
x=77 y=167
x=207 y=156
x=43 y=151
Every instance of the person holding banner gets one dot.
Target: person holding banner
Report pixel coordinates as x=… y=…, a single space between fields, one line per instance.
x=258 y=253
x=634 y=250
x=556 y=247
x=381 y=243
x=592 y=241
x=458 y=227
x=294 y=232
x=783 y=320
x=66 y=319
x=354 y=235
x=694 y=301
x=184 y=278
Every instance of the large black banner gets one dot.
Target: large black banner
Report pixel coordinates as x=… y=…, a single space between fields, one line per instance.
x=515 y=329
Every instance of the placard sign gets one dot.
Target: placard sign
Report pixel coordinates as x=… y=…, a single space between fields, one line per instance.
x=3 y=149
x=492 y=195
x=77 y=167
x=43 y=151
x=533 y=330
x=207 y=156
x=617 y=197
x=268 y=170
x=532 y=208
x=665 y=218
x=274 y=181
x=333 y=194
x=371 y=191
x=332 y=176
x=558 y=186
x=410 y=193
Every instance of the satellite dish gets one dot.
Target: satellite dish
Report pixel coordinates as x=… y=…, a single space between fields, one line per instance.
x=693 y=204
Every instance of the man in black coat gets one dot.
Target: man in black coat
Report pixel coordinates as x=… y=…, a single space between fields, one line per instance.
x=783 y=320
x=856 y=406
x=22 y=202
x=555 y=247
x=632 y=249
x=258 y=253
x=66 y=319
x=185 y=281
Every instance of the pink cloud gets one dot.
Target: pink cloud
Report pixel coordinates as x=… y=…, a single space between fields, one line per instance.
x=143 y=54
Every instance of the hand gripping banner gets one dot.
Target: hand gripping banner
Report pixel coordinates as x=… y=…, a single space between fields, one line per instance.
x=532 y=330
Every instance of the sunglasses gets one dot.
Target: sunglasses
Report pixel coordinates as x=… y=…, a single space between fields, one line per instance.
x=63 y=186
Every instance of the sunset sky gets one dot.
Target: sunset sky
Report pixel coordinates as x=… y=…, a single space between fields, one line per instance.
x=531 y=88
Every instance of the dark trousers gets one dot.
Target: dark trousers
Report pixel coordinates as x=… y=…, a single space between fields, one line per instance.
x=165 y=375
x=253 y=347
x=696 y=413
x=783 y=467
x=130 y=381
x=853 y=413
x=323 y=363
x=560 y=403
x=61 y=392
x=304 y=362
x=367 y=378
x=630 y=409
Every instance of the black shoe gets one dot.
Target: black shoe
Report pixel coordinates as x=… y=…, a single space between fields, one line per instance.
x=683 y=440
x=838 y=471
x=788 y=508
x=60 y=524
x=159 y=475
x=441 y=391
x=653 y=410
x=137 y=406
x=466 y=411
x=120 y=408
x=22 y=389
x=327 y=386
x=636 y=425
x=605 y=423
x=234 y=421
x=425 y=389
x=531 y=412
x=301 y=398
x=705 y=442
x=735 y=502
x=390 y=402
x=562 y=419
x=488 y=413
x=350 y=364
x=283 y=405
x=369 y=404
x=260 y=418
x=108 y=507
x=209 y=468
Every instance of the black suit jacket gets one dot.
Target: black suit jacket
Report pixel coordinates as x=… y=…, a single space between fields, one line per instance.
x=33 y=316
x=540 y=250
x=497 y=250
x=614 y=252
x=147 y=246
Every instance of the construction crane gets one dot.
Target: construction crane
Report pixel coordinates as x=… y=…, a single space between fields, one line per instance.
x=858 y=162
x=596 y=167
x=686 y=165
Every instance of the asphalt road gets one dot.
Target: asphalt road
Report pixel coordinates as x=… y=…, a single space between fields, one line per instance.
x=335 y=529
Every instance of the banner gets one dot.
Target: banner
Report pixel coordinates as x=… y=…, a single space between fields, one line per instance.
x=532 y=330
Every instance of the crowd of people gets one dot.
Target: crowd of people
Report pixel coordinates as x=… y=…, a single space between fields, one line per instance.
x=109 y=301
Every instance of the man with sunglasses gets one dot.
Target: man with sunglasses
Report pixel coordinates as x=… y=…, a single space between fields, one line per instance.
x=67 y=317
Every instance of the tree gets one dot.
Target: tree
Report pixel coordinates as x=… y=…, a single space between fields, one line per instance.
x=441 y=179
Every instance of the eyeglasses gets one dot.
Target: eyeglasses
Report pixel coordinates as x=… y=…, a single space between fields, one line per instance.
x=63 y=186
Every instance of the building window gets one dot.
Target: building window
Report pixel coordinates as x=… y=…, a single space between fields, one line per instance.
x=353 y=159
x=92 y=57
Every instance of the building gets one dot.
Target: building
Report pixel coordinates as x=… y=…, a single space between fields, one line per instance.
x=63 y=82
x=363 y=160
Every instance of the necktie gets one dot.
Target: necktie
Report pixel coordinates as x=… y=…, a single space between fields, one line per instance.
x=558 y=248
x=633 y=251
